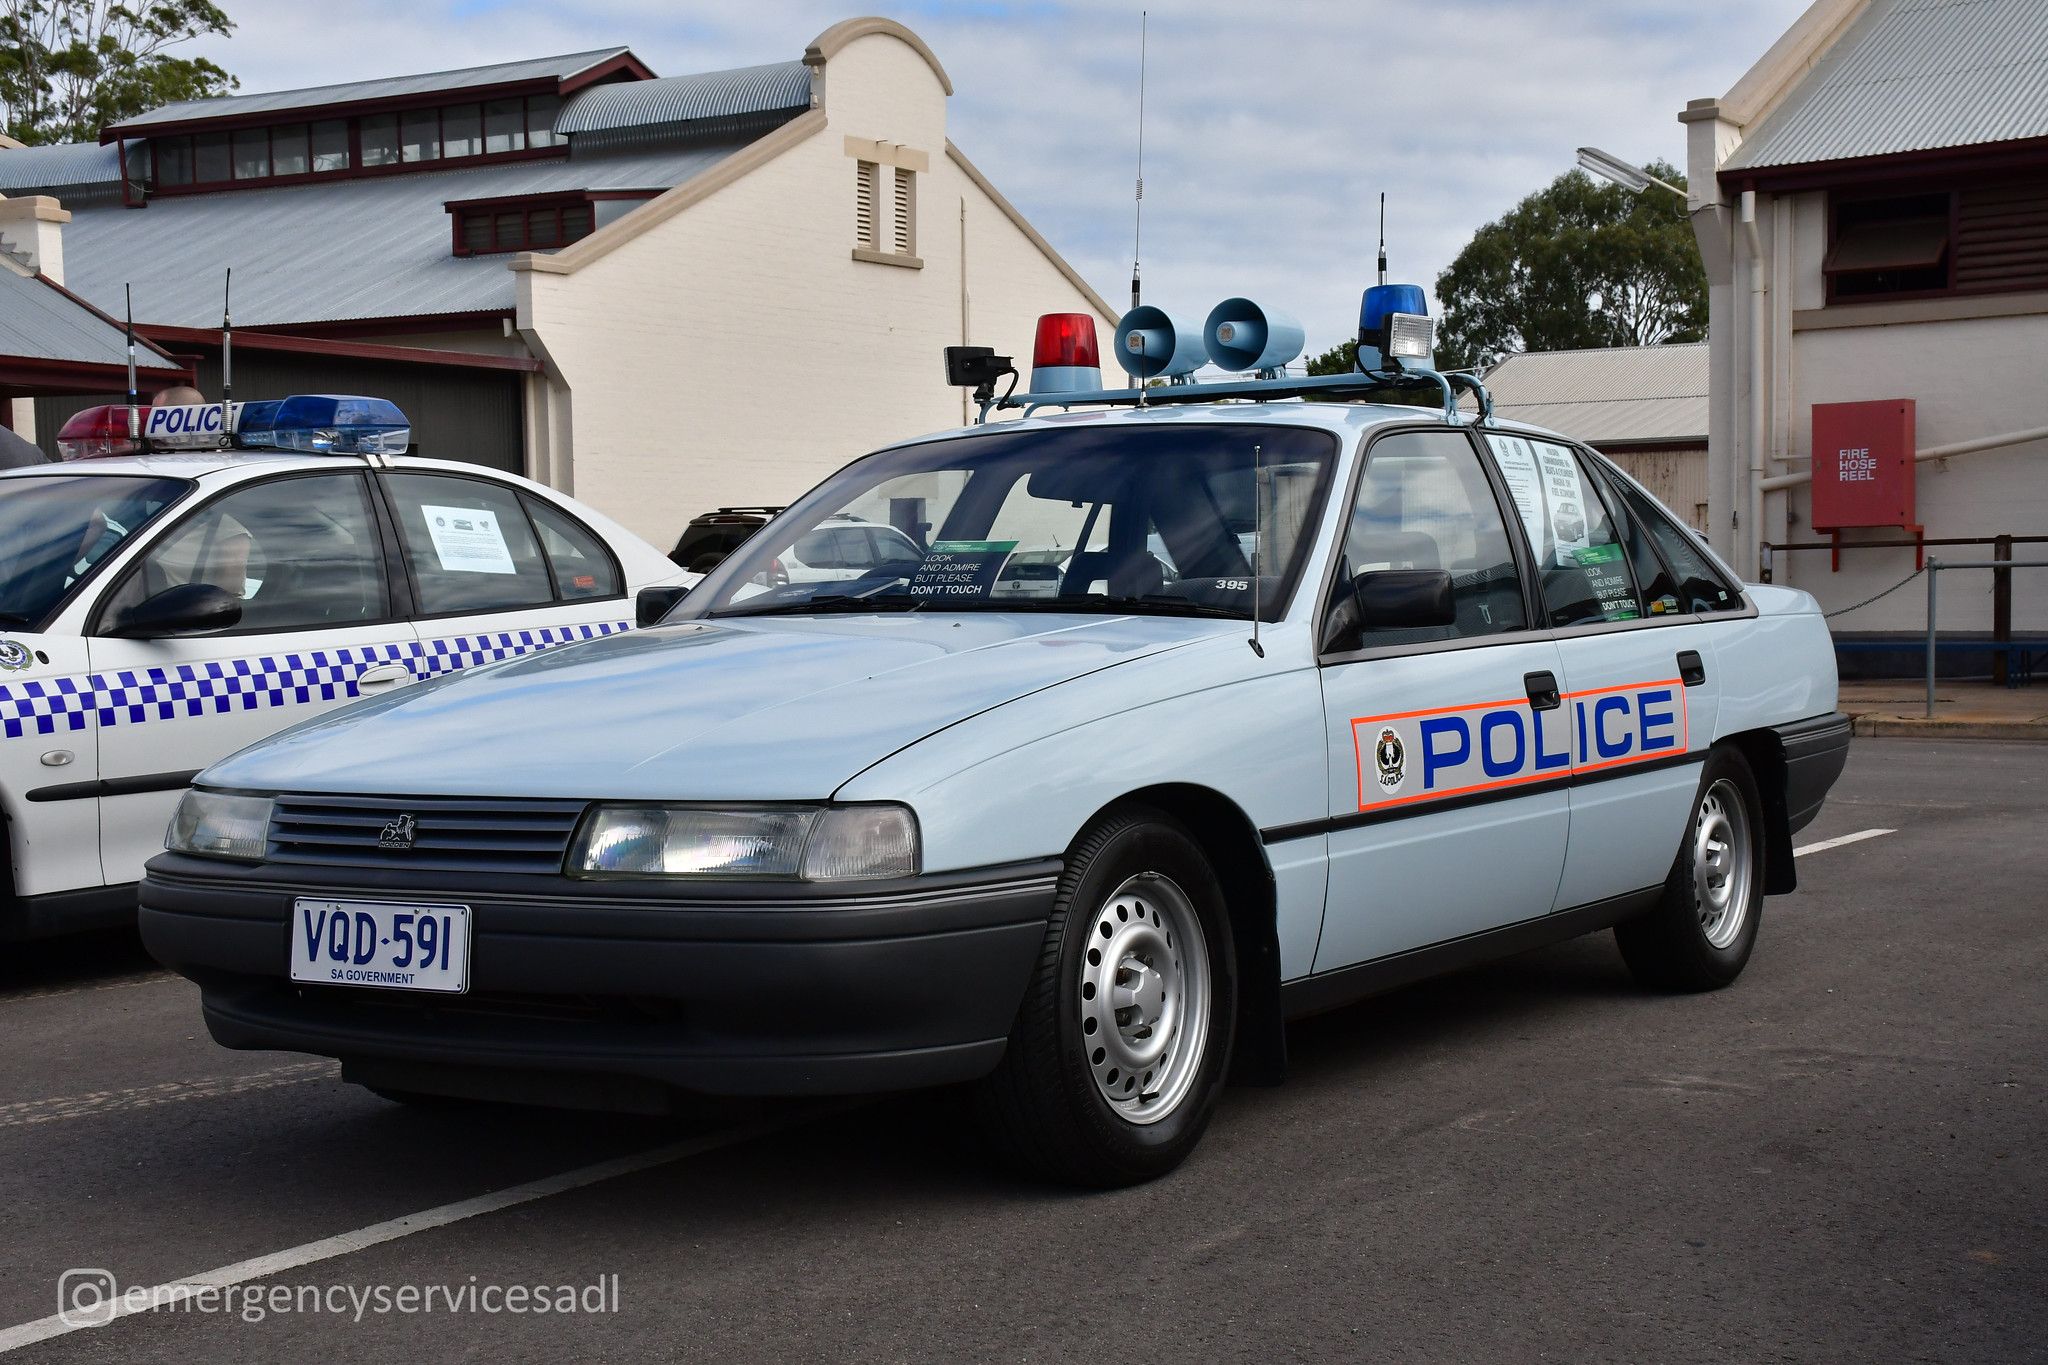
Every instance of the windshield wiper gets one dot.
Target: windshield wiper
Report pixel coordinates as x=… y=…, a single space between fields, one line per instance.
x=831 y=602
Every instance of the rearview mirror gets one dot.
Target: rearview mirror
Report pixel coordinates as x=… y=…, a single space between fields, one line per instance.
x=651 y=604
x=188 y=609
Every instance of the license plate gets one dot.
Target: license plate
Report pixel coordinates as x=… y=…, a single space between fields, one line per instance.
x=384 y=944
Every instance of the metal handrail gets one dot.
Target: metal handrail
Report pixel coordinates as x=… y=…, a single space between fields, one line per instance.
x=1934 y=570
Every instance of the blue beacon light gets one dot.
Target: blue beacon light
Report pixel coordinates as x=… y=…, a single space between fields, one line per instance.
x=325 y=424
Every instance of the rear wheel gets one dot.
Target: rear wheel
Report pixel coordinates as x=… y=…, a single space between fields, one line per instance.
x=1701 y=934
x=1120 y=1050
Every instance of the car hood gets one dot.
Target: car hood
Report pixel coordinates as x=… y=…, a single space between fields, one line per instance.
x=772 y=709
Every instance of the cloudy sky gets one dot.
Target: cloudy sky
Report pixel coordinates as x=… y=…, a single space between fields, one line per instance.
x=1272 y=126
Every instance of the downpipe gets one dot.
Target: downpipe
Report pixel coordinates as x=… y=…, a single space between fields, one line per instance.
x=1753 y=501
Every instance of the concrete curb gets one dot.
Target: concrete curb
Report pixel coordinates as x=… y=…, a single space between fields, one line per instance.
x=1919 y=727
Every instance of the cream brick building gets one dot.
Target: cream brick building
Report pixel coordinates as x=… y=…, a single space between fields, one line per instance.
x=662 y=295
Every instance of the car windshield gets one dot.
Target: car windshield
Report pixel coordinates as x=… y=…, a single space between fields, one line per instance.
x=57 y=529
x=1185 y=520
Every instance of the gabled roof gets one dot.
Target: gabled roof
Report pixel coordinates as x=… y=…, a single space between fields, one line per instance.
x=683 y=99
x=1912 y=76
x=562 y=70
x=42 y=323
x=1618 y=395
x=54 y=170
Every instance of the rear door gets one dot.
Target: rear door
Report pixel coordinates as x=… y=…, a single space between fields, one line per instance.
x=319 y=627
x=1639 y=690
x=1448 y=766
x=496 y=571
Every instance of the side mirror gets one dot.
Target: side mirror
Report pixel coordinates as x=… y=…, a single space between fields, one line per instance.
x=1390 y=599
x=651 y=604
x=1405 y=599
x=188 y=609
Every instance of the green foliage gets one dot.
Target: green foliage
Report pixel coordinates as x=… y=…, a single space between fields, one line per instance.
x=1339 y=359
x=1578 y=264
x=68 y=68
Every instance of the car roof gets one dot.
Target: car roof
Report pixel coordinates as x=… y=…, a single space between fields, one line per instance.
x=1340 y=418
x=195 y=464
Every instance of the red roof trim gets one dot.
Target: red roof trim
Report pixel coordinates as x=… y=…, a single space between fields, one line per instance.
x=346 y=350
x=29 y=376
x=2025 y=154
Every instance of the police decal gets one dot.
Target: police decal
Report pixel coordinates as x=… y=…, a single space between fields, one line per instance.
x=14 y=656
x=1390 y=755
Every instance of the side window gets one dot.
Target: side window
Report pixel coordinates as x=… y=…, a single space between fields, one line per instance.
x=583 y=567
x=894 y=550
x=300 y=553
x=1659 y=590
x=1425 y=503
x=468 y=544
x=1580 y=559
x=1701 y=586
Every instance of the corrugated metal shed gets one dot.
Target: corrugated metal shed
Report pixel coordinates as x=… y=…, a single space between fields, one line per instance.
x=684 y=99
x=390 y=87
x=36 y=319
x=1914 y=75
x=365 y=248
x=1625 y=394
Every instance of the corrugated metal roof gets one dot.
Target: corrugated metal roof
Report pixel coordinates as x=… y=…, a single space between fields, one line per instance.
x=1623 y=393
x=1914 y=75
x=373 y=247
x=390 y=87
x=45 y=170
x=683 y=99
x=36 y=319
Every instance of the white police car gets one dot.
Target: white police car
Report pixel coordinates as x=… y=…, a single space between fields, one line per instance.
x=160 y=609
x=1327 y=696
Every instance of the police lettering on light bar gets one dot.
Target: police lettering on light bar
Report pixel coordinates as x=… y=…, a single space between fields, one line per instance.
x=312 y=424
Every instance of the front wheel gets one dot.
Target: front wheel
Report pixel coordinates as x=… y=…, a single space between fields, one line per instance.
x=1120 y=1049
x=1701 y=934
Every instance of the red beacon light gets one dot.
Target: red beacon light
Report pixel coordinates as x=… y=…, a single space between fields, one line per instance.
x=1065 y=359
x=96 y=433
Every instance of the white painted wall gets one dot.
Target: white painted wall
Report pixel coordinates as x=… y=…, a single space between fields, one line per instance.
x=736 y=353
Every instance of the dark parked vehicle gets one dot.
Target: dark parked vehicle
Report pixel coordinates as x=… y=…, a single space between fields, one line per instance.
x=716 y=534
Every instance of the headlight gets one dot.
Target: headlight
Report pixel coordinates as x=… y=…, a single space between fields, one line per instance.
x=217 y=825
x=790 y=843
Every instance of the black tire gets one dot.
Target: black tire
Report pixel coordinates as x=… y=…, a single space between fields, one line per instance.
x=1044 y=1109
x=1683 y=945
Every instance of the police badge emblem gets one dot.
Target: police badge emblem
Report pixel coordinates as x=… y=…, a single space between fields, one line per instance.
x=1390 y=756
x=14 y=656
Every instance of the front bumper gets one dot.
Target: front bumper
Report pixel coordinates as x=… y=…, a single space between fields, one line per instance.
x=730 y=989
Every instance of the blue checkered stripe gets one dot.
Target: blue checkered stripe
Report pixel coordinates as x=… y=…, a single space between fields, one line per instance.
x=436 y=657
x=48 y=706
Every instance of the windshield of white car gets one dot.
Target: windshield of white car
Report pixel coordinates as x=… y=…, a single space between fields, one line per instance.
x=56 y=530
x=1188 y=520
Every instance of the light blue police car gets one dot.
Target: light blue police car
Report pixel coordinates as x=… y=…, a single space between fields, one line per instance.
x=1304 y=696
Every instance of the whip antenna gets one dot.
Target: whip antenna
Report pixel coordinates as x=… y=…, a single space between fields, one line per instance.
x=134 y=417
x=227 y=353
x=1383 y=236
x=1258 y=544
x=1138 y=216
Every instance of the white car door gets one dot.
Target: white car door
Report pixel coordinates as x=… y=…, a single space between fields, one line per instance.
x=320 y=626
x=1448 y=771
x=498 y=571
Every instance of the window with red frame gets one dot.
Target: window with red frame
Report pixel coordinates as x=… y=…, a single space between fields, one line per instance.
x=481 y=229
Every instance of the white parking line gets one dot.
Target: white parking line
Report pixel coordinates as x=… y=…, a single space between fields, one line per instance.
x=1858 y=837
x=264 y=1267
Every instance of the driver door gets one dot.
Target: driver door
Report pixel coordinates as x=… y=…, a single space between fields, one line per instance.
x=304 y=554
x=1449 y=759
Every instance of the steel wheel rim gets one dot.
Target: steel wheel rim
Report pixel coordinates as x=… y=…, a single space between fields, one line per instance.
x=1144 y=998
x=1722 y=858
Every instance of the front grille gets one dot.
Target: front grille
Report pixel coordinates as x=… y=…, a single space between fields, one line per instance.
x=448 y=835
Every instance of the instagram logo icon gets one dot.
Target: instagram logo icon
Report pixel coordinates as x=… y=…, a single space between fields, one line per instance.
x=86 y=1298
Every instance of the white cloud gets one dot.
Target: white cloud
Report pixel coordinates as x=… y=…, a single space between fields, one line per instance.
x=1271 y=128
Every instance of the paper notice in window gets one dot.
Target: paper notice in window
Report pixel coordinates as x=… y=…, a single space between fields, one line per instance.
x=467 y=540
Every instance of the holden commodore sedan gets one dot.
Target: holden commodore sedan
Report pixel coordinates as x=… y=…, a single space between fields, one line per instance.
x=1319 y=698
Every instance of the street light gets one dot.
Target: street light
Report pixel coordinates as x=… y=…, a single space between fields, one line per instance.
x=1632 y=178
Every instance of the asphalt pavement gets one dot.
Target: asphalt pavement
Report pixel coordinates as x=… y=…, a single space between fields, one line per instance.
x=1842 y=1157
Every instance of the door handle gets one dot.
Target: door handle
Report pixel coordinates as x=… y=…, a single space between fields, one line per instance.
x=1690 y=668
x=1542 y=691
x=378 y=677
